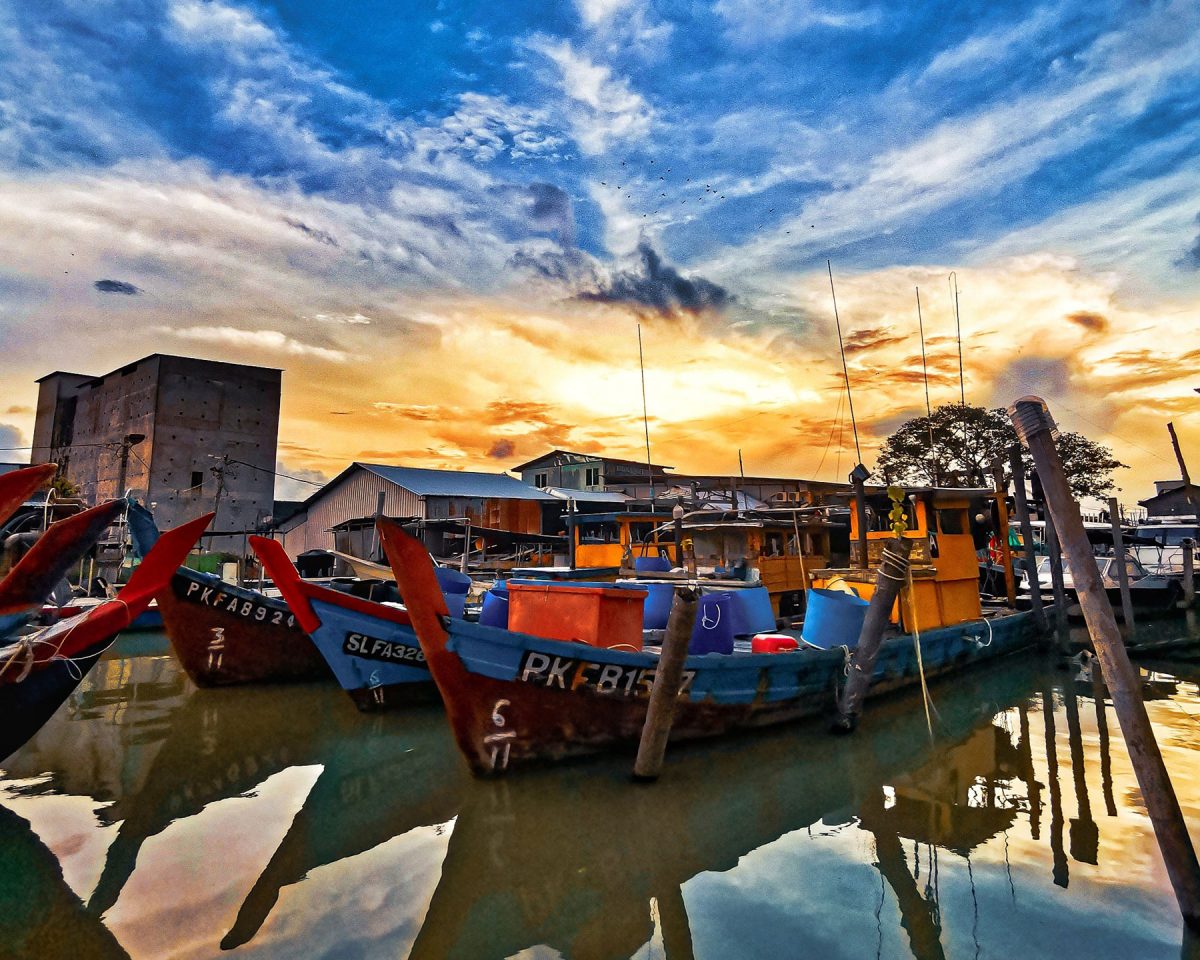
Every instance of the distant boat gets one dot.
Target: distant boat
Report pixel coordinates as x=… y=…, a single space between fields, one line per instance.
x=39 y=670
x=1145 y=589
x=224 y=634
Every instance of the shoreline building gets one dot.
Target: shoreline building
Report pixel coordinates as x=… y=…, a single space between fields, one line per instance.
x=185 y=435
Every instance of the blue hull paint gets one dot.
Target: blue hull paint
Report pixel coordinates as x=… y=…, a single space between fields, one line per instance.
x=364 y=674
x=744 y=679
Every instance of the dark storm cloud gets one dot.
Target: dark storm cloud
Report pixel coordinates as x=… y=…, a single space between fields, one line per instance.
x=1091 y=322
x=321 y=236
x=501 y=449
x=659 y=287
x=117 y=286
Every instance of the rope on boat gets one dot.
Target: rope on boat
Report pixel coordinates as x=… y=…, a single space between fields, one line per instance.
x=930 y=709
x=894 y=567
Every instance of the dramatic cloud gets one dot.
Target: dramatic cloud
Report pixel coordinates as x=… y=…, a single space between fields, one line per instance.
x=1092 y=322
x=116 y=286
x=501 y=450
x=659 y=288
x=1191 y=258
x=269 y=341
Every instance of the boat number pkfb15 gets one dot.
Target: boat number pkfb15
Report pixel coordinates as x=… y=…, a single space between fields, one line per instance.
x=568 y=673
x=237 y=606
x=388 y=651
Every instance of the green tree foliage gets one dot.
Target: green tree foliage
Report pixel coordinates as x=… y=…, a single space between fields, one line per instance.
x=957 y=445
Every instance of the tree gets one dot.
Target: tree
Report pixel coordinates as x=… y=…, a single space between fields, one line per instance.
x=957 y=446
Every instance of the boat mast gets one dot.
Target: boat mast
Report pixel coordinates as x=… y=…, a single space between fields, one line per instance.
x=845 y=370
x=645 y=416
x=933 y=470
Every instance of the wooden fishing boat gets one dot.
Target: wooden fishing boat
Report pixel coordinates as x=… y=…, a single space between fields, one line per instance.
x=34 y=577
x=17 y=485
x=39 y=670
x=224 y=634
x=369 y=646
x=513 y=698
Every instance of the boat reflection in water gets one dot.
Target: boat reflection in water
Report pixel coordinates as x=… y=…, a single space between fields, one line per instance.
x=150 y=819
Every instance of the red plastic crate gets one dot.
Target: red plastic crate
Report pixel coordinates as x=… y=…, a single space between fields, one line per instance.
x=597 y=616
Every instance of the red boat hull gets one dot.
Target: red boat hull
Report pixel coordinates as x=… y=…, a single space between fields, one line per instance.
x=17 y=485
x=225 y=635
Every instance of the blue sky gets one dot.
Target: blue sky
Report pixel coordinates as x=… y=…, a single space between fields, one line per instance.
x=262 y=174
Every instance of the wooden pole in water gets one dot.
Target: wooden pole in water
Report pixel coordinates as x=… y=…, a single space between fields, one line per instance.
x=667 y=677
x=1035 y=427
x=1114 y=518
x=892 y=573
x=1035 y=587
x=1010 y=582
x=1061 y=627
x=1189 y=573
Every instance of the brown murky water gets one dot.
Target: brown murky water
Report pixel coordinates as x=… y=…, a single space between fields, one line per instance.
x=152 y=820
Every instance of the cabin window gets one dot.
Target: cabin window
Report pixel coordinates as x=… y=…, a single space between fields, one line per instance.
x=592 y=477
x=539 y=480
x=950 y=521
x=641 y=532
x=197 y=479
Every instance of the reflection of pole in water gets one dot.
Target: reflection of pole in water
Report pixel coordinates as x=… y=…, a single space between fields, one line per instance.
x=1061 y=872
x=917 y=916
x=676 y=930
x=1106 y=779
x=1085 y=835
x=1029 y=775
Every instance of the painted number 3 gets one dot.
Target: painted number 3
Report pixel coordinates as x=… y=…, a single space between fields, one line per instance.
x=216 y=648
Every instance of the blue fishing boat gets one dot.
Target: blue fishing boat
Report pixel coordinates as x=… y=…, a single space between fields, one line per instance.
x=369 y=646
x=513 y=697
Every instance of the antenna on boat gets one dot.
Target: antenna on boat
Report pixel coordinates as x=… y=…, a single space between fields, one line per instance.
x=645 y=417
x=928 y=409
x=962 y=386
x=845 y=370
x=742 y=471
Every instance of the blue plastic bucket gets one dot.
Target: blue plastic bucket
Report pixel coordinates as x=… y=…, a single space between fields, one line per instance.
x=752 y=611
x=452 y=581
x=651 y=564
x=833 y=619
x=713 y=632
x=495 y=607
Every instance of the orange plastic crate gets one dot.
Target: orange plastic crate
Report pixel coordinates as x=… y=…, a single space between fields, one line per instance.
x=597 y=616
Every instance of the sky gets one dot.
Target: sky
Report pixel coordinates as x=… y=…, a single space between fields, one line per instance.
x=447 y=221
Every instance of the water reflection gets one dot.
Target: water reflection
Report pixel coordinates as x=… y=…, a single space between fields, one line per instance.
x=150 y=819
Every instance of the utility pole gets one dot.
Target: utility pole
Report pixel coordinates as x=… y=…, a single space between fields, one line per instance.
x=1188 y=492
x=218 y=470
x=128 y=442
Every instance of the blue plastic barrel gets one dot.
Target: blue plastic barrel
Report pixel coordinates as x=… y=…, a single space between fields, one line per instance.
x=495 y=607
x=833 y=619
x=651 y=564
x=657 y=607
x=713 y=632
x=752 y=610
x=452 y=581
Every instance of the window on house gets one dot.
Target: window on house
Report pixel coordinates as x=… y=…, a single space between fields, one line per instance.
x=592 y=477
x=539 y=480
x=197 y=479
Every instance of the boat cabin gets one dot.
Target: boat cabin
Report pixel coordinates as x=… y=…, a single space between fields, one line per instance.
x=761 y=546
x=944 y=564
x=616 y=540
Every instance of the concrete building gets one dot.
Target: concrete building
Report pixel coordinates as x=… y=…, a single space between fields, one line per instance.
x=185 y=435
x=493 y=500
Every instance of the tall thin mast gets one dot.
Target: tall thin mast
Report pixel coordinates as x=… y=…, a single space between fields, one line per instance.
x=928 y=408
x=845 y=369
x=962 y=385
x=645 y=416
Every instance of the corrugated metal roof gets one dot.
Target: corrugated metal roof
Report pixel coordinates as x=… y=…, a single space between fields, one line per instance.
x=586 y=496
x=456 y=483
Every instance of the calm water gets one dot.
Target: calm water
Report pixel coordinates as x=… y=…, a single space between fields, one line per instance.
x=150 y=820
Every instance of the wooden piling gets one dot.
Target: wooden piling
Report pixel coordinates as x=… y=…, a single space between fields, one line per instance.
x=1010 y=583
x=1061 y=628
x=1035 y=587
x=1035 y=428
x=890 y=578
x=667 y=678
x=1189 y=573
x=1114 y=518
